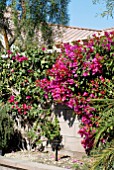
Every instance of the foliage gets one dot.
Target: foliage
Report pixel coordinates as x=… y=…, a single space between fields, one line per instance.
x=104 y=160
x=109 y=4
x=21 y=20
x=81 y=73
x=80 y=166
x=105 y=131
x=104 y=136
x=18 y=75
x=6 y=126
x=44 y=125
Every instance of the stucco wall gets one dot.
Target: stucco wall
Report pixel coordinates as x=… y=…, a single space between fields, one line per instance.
x=69 y=125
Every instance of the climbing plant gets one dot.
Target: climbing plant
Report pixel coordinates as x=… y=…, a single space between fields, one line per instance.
x=80 y=74
x=28 y=106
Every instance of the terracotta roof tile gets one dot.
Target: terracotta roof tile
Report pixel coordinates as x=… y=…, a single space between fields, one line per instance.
x=69 y=34
x=108 y=29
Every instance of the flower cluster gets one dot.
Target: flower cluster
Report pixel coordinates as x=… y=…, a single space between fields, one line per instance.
x=80 y=74
x=19 y=58
x=21 y=109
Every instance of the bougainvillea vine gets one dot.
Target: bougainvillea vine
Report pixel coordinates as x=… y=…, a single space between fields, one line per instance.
x=81 y=73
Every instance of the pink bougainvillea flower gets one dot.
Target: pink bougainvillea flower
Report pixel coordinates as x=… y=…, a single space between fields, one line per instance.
x=74 y=161
x=9 y=52
x=85 y=120
x=21 y=58
x=13 y=57
x=28 y=97
x=19 y=110
x=92 y=95
x=75 y=75
x=24 y=106
x=25 y=112
x=16 y=102
x=17 y=107
x=12 y=70
x=85 y=74
x=11 y=99
x=29 y=71
x=13 y=107
x=43 y=48
x=103 y=140
x=102 y=78
x=29 y=107
x=85 y=94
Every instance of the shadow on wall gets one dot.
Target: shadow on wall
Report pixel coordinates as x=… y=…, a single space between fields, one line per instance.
x=18 y=141
x=65 y=113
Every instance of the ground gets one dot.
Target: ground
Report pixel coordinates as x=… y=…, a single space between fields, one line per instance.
x=64 y=161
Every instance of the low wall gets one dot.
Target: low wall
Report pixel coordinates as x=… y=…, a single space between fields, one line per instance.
x=69 y=125
x=13 y=164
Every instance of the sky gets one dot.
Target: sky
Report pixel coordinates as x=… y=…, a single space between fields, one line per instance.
x=84 y=14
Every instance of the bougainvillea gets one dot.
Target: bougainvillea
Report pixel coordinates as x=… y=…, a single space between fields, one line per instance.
x=18 y=73
x=81 y=73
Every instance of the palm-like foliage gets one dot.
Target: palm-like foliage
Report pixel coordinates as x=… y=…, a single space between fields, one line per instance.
x=104 y=137
x=104 y=160
x=105 y=120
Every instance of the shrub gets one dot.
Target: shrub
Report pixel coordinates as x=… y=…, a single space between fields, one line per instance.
x=6 y=126
x=18 y=73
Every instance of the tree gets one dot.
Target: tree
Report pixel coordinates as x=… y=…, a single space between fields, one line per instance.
x=23 y=18
x=3 y=23
x=109 y=7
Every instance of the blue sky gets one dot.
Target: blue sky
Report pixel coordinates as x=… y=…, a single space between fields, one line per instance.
x=86 y=15
x=83 y=13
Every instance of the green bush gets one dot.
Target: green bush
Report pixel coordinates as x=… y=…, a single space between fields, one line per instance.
x=18 y=88
x=6 y=126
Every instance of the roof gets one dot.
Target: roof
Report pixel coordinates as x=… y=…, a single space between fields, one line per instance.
x=108 y=29
x=70 y=34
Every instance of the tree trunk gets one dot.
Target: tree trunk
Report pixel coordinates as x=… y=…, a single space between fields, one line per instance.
x=6 y=39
